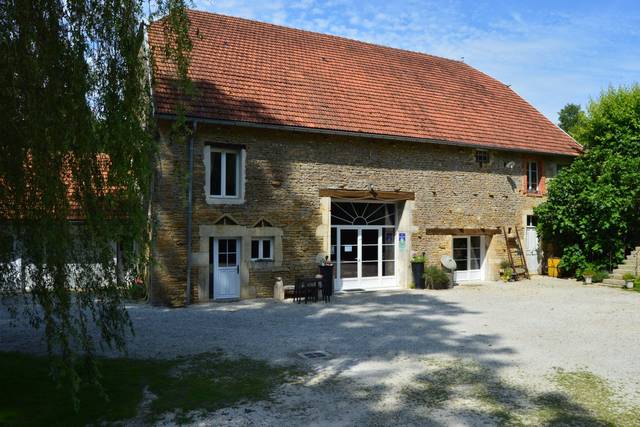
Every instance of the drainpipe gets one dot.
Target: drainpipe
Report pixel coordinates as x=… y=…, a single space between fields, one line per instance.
x=190 y=209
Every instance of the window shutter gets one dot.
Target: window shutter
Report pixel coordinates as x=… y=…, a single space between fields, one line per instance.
x=541 y=186
x=525 y=176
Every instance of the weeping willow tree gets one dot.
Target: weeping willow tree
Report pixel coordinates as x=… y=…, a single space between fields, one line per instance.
x=76 y=157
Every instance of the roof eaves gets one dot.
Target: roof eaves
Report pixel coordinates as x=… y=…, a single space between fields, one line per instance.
x=324 y=131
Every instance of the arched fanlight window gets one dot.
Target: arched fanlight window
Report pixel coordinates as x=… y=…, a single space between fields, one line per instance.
x=350 y=213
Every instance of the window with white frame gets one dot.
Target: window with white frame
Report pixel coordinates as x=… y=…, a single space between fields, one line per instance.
x=262 y=249
x=224 y=174
x=533 y=177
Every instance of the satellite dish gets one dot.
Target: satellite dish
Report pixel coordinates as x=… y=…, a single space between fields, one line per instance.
x=448 y=262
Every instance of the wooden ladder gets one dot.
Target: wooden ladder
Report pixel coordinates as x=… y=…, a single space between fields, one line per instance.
x=516 y=254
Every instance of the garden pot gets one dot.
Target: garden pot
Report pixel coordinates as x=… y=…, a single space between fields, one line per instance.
x=588 y=280
x=629 y=284
x=417 y=269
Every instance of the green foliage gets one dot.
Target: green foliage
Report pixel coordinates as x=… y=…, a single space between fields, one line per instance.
x=506 y=274
x=206 y=381
x=435 y=277
x=588 y=273
x=599 y=276
x=504 y=264
x=78 y=143
x=593 y=207
x=137 y=291
x=628 y=277
x=420 y=259
x=570 y=117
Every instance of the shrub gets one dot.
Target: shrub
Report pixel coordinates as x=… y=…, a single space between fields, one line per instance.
x=506 y=274
x=504 y=264
x=628 y=277
x=136 y=291
x=436 y=278
x=599 y=276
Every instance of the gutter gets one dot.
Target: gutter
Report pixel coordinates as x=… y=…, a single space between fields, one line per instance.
x=189 y=210
x=363 y=135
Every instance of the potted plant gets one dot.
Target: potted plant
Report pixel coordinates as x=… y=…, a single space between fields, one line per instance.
x=628 y=280
x=588 y=276
x=417 y=269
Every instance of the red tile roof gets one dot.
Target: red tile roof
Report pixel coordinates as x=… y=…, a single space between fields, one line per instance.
x=248 y=71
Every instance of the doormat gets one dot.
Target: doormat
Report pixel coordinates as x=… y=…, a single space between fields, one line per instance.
x=354 y=290
x=313 y=355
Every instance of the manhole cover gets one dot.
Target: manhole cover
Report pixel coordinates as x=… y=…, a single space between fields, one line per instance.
x=315 y=354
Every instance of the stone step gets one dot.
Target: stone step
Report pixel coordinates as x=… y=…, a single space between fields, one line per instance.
x=618 y=276
x=617 y=283
x=621 y=272
x=624 y=266
x=627 y=266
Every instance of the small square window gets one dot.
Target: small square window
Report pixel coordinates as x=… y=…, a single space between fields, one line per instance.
x=482 y=157
x=262 y=249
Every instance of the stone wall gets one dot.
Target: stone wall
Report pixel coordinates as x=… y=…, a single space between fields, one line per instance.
x=286 y=170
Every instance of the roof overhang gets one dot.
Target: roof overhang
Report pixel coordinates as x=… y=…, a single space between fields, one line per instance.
x=324 y=131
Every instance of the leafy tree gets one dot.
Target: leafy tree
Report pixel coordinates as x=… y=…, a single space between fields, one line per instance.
x=75 y=166
x=570 y=117
x=593 y=208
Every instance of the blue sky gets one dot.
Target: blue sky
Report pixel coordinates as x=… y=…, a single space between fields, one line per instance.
x=550 y=52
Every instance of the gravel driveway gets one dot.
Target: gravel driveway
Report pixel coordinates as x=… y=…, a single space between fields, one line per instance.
x=379 y=340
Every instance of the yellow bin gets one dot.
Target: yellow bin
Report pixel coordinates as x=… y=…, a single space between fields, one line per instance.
x=552 y=264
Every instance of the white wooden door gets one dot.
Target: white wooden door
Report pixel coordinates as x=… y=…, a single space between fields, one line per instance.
x=226 y=268
x=468 y=252
x=532 y=245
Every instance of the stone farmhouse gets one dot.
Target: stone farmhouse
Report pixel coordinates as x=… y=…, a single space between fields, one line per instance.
x=306 y=144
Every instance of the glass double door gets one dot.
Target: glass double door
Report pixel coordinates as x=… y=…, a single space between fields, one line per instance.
x=468 y=253
x=364 y=256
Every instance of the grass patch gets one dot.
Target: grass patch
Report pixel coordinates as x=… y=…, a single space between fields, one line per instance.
x=208 y=381
x=580 y=399
x=588 y=395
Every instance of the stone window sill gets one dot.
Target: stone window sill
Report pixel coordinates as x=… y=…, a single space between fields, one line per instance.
x=211 y=200
x=536 y=194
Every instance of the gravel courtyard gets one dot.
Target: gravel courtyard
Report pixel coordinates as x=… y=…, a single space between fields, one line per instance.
x=381 y=344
